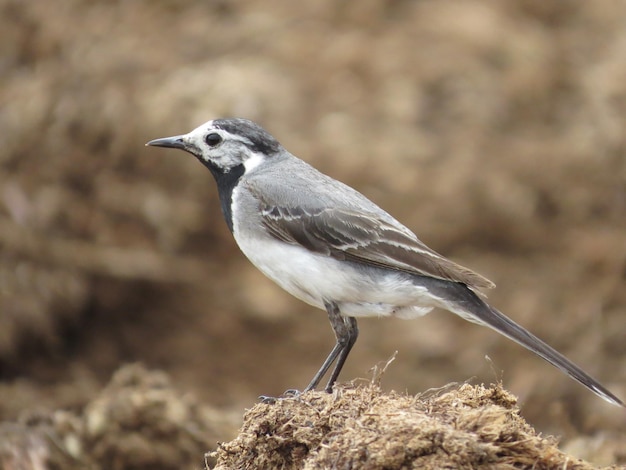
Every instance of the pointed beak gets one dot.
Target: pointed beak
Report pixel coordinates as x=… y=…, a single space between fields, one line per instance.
x=175 y=142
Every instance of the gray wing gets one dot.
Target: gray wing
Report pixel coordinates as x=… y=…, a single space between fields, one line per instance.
x=355 y=235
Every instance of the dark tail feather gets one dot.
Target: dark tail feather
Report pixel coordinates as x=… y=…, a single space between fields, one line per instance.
x=474 y=309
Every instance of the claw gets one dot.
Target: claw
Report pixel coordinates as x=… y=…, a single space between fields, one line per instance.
x=291 y=393
x=267 y=400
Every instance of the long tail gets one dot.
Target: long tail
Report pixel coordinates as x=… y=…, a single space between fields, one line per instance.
x=465 y=303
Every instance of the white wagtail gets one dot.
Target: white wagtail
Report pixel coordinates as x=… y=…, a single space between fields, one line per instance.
x=333 y=248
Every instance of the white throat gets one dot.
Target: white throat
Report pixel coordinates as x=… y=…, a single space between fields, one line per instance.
x=255 y=160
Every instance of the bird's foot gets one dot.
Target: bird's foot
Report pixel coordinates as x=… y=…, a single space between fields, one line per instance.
x=291 y=393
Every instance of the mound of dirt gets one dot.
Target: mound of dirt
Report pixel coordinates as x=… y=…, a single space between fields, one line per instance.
x=138 y=421
x=362 y=427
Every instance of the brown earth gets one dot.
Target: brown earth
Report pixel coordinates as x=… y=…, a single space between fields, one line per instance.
x=468 y=427
x=493 y=129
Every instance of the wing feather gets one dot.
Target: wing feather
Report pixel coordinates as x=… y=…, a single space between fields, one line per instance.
x=350 y=234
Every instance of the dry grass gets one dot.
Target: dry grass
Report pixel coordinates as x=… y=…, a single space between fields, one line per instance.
x=363 y=427
x=139 y=420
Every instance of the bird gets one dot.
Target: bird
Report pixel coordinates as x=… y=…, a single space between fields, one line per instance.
x=331 y=247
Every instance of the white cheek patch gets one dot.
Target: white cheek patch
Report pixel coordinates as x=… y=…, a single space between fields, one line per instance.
x=254 y=160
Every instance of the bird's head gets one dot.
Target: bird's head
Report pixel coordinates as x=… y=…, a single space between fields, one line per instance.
x=226 y=144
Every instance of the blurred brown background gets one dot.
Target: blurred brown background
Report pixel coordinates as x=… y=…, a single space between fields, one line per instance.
x=495 y=130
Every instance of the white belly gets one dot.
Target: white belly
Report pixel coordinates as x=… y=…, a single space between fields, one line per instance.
x=315 y=278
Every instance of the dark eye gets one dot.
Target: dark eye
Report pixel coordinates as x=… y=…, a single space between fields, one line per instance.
x=213 y=139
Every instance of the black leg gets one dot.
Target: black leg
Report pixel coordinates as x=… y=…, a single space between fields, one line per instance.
x=351 y=333
x=346 y=332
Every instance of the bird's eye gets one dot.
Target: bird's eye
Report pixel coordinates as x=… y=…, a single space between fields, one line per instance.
x=213 y=139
